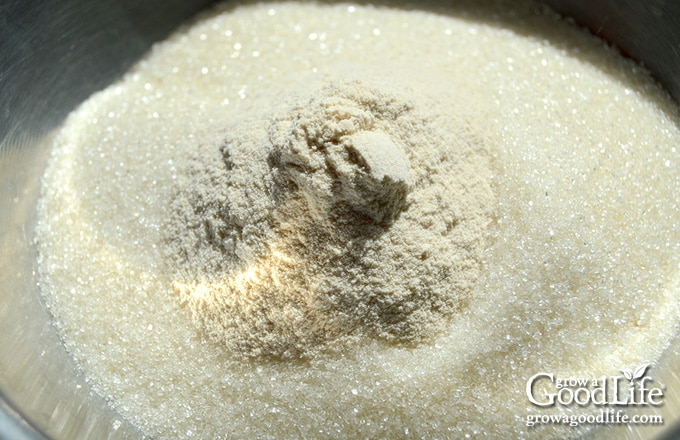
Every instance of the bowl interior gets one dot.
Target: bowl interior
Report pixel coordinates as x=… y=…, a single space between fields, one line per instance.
x=54 y=54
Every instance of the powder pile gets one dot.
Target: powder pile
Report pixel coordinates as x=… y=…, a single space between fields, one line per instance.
x=353 y=211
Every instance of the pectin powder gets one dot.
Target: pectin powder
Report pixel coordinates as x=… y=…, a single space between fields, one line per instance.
x=304 y=231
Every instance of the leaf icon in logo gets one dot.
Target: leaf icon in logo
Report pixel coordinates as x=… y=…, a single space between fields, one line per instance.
x=637 y=374
x=628 y=373
x=640 y=371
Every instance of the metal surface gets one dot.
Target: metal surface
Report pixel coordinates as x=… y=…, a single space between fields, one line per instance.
x=55 y=53
x=648 y=31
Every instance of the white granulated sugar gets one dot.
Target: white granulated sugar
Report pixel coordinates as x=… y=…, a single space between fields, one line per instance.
x=350 y=221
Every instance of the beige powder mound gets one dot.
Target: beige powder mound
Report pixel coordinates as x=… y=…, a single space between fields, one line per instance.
x=350 y=212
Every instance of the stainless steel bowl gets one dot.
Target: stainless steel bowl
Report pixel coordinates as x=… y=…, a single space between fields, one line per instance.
x=55 y=53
